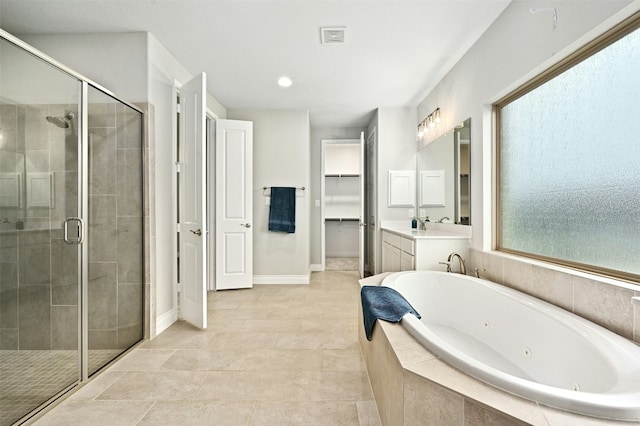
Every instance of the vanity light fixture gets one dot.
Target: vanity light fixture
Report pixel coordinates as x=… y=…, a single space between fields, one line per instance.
x=284 y=81
x=429 y=123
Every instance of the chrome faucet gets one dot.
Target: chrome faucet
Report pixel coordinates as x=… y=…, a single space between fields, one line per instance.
x=440 y=221
x=463 y=269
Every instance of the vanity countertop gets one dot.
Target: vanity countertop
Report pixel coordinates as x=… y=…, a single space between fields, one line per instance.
x=429 y=233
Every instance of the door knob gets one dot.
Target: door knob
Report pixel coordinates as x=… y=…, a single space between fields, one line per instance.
x=246 y=225
x=197 y=232
x=363 y=224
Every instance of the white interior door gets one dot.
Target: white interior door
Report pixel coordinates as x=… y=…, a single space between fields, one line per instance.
x=456 y=178
x=234 y=204
x=363 y=218
x=192 y=202
x=372 y=201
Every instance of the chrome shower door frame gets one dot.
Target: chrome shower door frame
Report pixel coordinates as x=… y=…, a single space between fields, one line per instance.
x=81 y=216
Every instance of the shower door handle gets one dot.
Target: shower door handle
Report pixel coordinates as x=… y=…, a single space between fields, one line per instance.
x=79 y=239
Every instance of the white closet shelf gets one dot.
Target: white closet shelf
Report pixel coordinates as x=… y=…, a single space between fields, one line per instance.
x=341 y=219
x=343 y=199
x=341 y=175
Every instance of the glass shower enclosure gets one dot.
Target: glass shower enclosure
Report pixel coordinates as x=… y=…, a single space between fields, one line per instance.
x=71 y=230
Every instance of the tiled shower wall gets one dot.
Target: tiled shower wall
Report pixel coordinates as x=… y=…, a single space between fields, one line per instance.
x=38 y=285
x=38 y=271
x=115 y=227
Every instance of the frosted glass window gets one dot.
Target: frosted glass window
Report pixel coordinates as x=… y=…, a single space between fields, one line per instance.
x=570 y=163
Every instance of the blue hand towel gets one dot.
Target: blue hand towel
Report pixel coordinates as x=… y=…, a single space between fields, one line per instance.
x=384 y=303
x=282 y=210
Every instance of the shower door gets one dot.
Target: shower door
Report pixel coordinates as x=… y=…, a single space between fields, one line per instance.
x=39 y=271
x=71 y=229
x=114 y=237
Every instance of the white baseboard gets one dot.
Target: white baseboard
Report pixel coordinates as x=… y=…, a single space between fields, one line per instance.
x=281 y=279
x=316 y=267
x=166 y=320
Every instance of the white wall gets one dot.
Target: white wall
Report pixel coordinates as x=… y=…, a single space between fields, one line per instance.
x=27 y=80
x=164 y=72
x=516 y=47
x=118 y=62
x=396 y=150
x=138 y=68
x=280 y=158
x=317 y=135
x=164 y=69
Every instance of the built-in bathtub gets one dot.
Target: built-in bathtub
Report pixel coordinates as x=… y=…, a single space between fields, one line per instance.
x=522 y=345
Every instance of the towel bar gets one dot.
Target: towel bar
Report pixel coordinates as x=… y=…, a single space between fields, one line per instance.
x=301 y=188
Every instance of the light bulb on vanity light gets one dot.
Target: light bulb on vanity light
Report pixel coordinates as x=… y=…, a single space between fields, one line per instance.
x=432 y=120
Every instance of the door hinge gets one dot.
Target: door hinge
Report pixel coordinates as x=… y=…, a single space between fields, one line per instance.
x=178 y=108
x=178 y=167
x=177 y=227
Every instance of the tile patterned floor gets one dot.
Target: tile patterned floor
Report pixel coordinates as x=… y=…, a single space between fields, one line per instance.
x=341 y=264
x=29 y=378
x=272 y=355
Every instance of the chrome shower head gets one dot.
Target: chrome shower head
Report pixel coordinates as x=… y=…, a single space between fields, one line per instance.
x=62 y=122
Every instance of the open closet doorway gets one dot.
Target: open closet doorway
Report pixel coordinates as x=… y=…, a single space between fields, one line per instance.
x=342 y=205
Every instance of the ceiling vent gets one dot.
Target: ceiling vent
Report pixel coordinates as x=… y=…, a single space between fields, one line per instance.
x=332 y=35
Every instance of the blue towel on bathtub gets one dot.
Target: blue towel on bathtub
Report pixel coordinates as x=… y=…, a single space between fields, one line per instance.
x=384 y=303
x=282 y=210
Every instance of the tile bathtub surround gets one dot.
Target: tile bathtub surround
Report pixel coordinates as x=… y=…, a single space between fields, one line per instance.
x=595 y=299
x=285 y=355
x=414 y=387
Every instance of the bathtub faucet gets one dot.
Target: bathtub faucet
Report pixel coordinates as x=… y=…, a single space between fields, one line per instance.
x=463 y=269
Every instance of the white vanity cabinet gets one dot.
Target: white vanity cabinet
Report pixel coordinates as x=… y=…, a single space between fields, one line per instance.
x=391 y=258
x=407 y=262
x=420 y=250
x=397 y=253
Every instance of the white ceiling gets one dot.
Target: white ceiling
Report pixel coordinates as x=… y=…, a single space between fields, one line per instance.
x=395 y=50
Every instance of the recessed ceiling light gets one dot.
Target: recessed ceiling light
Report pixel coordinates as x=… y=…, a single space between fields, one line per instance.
x=284 y=82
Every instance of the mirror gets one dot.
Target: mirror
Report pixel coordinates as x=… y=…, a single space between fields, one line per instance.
x=443 y=177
